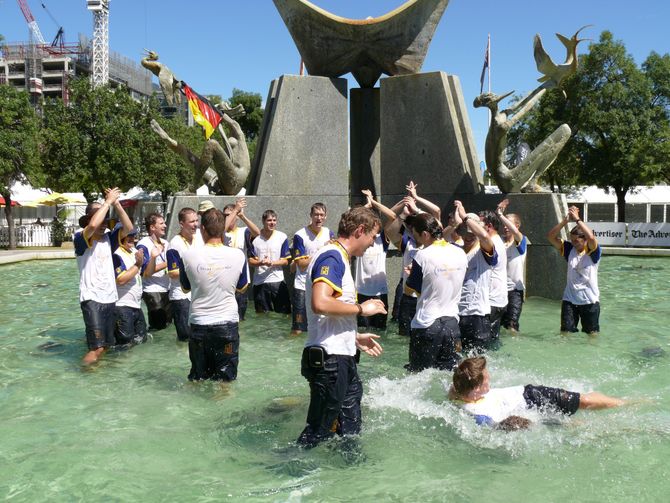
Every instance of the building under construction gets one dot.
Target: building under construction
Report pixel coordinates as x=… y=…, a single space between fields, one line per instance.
x=44 y=70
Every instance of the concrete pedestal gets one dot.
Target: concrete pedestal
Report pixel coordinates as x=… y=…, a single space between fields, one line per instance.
x=426 y=136
x=303 y=146
x=365 y=141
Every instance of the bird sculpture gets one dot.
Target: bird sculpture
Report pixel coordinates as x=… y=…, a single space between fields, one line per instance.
x=553 y=74
x=170 y=84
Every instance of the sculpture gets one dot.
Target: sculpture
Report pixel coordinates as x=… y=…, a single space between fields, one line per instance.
x=170 y=85
x=393 y=44
x=231 y=165
x=523 y=177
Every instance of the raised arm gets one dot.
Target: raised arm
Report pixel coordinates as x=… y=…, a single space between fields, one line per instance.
x=429 y=206
x=555 y=231
x=111 y=196
x=500 y=210
x=386 y=212
x=461 y=216
x=573 y=215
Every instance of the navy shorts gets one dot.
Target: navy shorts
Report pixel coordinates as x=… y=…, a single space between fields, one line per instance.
x=214 y=352
x=131 y=328
x=180 y=312
x=436 y=346
x=272 y=297
x=242 y=301
x=299 y=311
x=512 y=314
x=158 y=309
x=100 y=323
x=543 y=397
x=377 y=321
x=406 y=312
x=495 y=318
x=589 y=314
x=476 y=333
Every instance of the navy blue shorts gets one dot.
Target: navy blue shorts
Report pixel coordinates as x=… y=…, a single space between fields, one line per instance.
x=436 y=346
x=476 y=333
x=180 y=312
x=406 y=312
x=377 y=321
x=512 y=314
x=158 y=309
x=272 y=297
x=214 y=352
x=589 y=314
x=542 y=397
x=131 y=328
x=299 y=311
x=100 y=322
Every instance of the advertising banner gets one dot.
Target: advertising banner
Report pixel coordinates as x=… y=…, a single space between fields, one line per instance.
x=655 y=234
x=609 y=233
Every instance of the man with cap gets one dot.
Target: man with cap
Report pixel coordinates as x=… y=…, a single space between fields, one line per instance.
x=97 y=286
x=187 y=238
x=131 y=327
x=204 y=206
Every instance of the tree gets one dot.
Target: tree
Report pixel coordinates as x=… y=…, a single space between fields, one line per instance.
x=619 y=116
x=98 y=140
x=19 y=147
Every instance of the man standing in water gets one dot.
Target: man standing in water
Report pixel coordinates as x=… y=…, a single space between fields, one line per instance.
x=155 y=280
x=581 y=298
x=213 y=273
x=93 y=248
x=180 y=301
x=329 y=358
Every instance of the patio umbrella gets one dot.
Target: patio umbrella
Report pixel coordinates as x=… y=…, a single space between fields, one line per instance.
x=58 y=199
x=2 y=202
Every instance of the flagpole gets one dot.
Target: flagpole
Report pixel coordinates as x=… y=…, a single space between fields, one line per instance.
x=488 y=46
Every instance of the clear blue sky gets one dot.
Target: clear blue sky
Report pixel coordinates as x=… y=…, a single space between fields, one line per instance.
x=219 y=45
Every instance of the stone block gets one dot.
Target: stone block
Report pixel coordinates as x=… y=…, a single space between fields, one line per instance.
x=303 y=148
x=364 y=138
x=426 y=136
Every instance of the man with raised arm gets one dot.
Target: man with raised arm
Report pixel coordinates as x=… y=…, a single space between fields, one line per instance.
x=180 y=301
x=330 y=354
x=306 y=242
x=97 y=286
x=498 y=292
x=581 y=298
x=213 y=273
x=474 y=307
x=240 y=238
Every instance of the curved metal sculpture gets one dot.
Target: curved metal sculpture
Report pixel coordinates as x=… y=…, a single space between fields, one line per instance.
x=230 y=172
x=170 y=84
x=523 y=177
x=393 y=44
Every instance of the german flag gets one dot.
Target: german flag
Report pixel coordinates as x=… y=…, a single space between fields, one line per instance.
x=203 y=111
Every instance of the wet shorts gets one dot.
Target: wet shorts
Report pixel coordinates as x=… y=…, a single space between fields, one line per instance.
x=299 y=311
x=100 y=322
x=543 y=397
x=272 y=297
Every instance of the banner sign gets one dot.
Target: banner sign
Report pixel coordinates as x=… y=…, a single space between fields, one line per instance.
x=609 y=233
x=656 y=234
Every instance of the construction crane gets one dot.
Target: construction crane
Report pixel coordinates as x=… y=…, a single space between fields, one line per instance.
x=100 y=49
x=32 y=24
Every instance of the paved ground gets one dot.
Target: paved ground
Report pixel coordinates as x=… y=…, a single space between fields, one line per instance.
x=40 y=253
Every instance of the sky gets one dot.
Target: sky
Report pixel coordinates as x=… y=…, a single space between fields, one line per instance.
x=218 y=45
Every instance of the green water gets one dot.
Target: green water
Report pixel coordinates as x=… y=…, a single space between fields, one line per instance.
x=133 y=428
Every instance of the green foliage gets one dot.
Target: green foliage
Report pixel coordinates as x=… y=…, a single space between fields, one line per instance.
x=19 y=139
x=251 y=122
x=102 y=139
x=619 y=116
x=58 y=232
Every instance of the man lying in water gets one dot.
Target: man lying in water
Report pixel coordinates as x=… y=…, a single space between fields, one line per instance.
x=497 y=407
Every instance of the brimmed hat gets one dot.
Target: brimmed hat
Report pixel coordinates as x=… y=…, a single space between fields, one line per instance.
x=463 y=229
x=205 y=205
x=133 y=232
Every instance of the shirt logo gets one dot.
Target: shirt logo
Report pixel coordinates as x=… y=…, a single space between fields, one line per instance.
x=324 y=270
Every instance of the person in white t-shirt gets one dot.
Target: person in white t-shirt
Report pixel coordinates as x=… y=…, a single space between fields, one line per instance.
x=240 y=238
x=131 y=327
x=213 y=273
x=581 y=298
x=187 y=238
x=517 y=245
x=474 y=307
x=437 y=274
x=155 y=279
x=306 y=242
x=329 y=357
x=93 y=248
x=269 y=253
x=498 y=285
x=471 y=390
